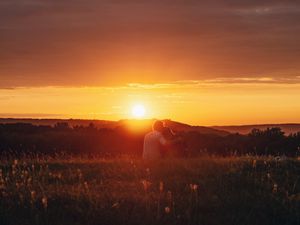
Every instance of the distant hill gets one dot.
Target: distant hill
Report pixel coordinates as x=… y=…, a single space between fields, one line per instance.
x=177 y=126
x=143 y=125
x=147 y=123
x=245 y=129
x=52 y=122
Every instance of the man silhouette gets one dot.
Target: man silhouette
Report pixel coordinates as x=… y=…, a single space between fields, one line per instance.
x=153 y=141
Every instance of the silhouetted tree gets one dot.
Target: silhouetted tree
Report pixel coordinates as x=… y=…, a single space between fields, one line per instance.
x=25 y=138
x=62 y=126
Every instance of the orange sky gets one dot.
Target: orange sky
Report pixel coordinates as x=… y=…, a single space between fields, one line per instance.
x=202 y=103
x=208 y=62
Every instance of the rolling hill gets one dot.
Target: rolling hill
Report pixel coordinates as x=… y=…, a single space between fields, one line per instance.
x=146 y=125
x=143 y=125
x=245 y=129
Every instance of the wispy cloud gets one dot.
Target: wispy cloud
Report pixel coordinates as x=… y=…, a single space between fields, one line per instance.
x=269 y=9
x=221 y=80
x=274 y=80
x=31 y=115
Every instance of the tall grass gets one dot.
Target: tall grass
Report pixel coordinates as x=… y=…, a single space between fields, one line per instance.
x=207 y=190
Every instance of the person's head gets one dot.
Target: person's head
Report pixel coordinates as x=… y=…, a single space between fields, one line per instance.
x=158 y=125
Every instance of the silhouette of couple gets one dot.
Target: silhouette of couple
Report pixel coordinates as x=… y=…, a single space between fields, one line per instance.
x=157 y=142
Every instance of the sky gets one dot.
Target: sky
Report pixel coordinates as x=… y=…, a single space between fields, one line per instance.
x=210 y=62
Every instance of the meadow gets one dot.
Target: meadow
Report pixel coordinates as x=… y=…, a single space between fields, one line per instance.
x=127 y=190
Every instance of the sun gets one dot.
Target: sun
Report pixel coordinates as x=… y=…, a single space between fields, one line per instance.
x=138 y=111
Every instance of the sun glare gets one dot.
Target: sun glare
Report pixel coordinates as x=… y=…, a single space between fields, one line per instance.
x=138 y=111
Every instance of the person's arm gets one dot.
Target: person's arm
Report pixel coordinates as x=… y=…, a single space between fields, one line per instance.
x=162 y=140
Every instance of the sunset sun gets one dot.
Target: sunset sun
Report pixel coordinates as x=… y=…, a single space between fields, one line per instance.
x=138 y=111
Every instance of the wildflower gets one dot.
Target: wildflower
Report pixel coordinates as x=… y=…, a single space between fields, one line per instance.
x=194 y=187
x=15 y=162
x=161 y=186
x=116 y=205
x=254 y=163
x=277 y=158
x=45 y=202
x=167 y=209
x=169 y=195
x=86 y=186
x=79 y=173
x=18 y=185
x=275 y=188
x=33 y=195
x=146 y=184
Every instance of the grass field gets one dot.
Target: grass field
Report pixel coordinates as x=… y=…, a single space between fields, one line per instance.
x=208 y=190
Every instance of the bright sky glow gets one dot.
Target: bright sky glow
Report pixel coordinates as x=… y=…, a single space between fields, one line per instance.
x=138 y=111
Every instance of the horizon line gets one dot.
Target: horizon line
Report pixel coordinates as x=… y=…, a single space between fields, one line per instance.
x=97 y=119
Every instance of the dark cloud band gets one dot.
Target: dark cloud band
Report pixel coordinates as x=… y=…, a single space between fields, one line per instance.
x=105 y=42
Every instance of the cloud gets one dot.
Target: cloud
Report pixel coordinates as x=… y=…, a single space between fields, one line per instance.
x=31 y=115
x=268 y=10
x=252 y=80
x=215 y=81
x=6 y=88
x=94 y=43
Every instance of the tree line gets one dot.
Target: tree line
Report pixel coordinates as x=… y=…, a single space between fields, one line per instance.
x=28 y=138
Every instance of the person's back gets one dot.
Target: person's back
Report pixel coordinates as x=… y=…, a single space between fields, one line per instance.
x=153 y=142
x=168 y=134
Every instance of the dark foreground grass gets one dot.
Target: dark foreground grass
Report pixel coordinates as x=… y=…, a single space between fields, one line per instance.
x=216 y=191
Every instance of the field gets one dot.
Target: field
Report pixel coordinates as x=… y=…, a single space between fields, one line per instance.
x=124 y=190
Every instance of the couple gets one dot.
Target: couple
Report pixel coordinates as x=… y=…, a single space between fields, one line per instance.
x=157 y=141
